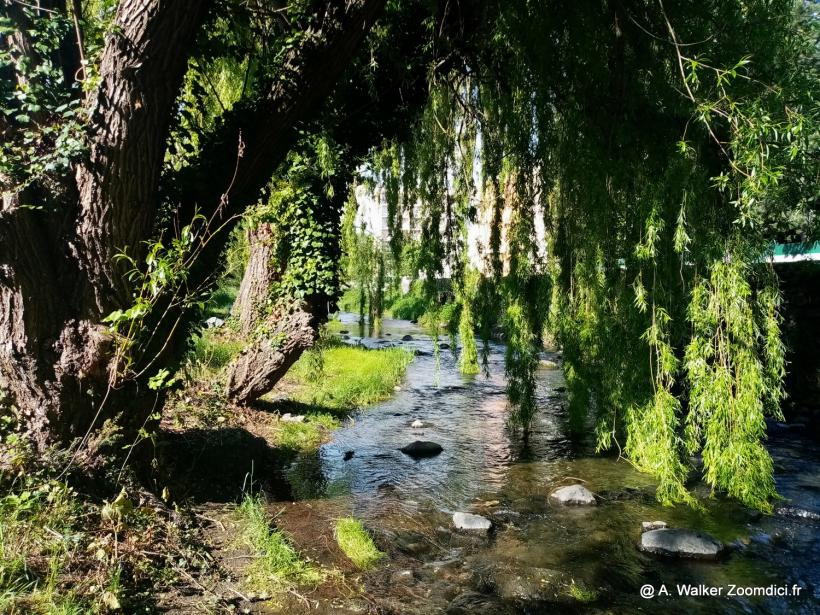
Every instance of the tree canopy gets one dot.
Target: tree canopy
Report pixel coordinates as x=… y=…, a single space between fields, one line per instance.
x=665 y=147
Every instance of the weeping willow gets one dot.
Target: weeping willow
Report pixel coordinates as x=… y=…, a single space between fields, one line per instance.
x=653 y=143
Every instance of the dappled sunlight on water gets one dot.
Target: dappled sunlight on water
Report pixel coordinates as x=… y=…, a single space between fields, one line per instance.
x=485 y=468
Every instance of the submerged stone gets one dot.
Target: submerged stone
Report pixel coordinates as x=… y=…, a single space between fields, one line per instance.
x=680 y=543
x=574 y=495
x=474 y=603
x=421 y=448
x=529 y=584
x=469 y=521
x=407 y=338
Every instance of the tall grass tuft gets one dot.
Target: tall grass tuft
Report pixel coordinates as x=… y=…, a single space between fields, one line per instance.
x=351 y=377
x=277 y=565
x=356 y=543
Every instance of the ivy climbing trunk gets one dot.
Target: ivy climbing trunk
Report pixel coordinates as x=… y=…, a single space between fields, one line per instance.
x=285 y=331
x=262 y=364
x=260 y=274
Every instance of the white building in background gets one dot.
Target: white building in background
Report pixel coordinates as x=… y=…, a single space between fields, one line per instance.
x=372 y=216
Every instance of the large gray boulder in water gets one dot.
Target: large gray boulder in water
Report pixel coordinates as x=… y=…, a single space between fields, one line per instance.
x=421 y=448
x=575 y=495
x=469 y=521
x=680 y=543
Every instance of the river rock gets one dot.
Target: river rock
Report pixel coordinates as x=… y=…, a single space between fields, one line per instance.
x=469 y=521
x=421 y=448
x=547 y=364
x=292 y=418
x=574 y=495
x=648 y=526
x=680 y=543
x=444 y=346
x=214 y=323
x=474 y=603
x=344 y=332
x=529 y=584
x=417 y=424
x=407 y=338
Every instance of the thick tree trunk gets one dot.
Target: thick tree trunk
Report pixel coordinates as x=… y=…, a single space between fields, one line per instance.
x=260 y=273
x=58 y=275
x=259 y=367
x=58 y=278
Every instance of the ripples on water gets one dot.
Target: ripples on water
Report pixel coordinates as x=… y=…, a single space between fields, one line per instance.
x=483 y=460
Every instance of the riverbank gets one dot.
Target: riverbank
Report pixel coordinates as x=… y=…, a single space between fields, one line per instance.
x=260 y=533
x=73 y=545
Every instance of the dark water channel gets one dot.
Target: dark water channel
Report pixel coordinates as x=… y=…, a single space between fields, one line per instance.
x=483 y=468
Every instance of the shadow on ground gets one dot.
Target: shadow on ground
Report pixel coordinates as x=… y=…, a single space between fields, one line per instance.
x=219 y=465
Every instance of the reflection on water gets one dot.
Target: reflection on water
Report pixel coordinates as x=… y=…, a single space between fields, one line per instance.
x=483 y=461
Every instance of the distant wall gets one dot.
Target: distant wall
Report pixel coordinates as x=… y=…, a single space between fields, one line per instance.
x=800 y=284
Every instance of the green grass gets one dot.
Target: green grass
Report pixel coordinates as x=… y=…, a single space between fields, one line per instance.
x=38 y=543
x=581 y=594
x=214 y=349
x=308 y=435
x=356 y=543
x=348 y=377
x=277 y=565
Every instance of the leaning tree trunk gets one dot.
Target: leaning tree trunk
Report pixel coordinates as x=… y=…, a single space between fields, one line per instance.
x=260 y=366
x=288 y=331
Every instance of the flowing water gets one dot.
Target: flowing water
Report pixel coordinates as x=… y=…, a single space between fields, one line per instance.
x=484 y=468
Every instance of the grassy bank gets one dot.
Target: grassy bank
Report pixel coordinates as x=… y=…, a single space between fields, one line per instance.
x=275 y=565
x=71 y=546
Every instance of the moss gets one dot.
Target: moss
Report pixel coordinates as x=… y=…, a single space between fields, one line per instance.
x=582 y=594
x=356 y=543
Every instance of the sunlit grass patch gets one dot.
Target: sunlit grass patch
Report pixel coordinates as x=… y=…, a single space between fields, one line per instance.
x=347 y=377
x=356 y=543
x=307 y=435
x=582 y=594
x=277 y=565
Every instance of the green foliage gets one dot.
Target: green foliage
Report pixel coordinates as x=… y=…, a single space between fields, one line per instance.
x=41 y=109
x=663 y=169
x=302 y=209
x=350 y=377
x=356 y=543
x=277 y=565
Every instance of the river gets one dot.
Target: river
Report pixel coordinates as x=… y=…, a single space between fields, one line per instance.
x=407 y=504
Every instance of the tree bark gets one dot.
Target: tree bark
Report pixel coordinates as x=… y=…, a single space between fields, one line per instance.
x=260 y=366
x=58 y=274
x=260 y=273
x=58 y=278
